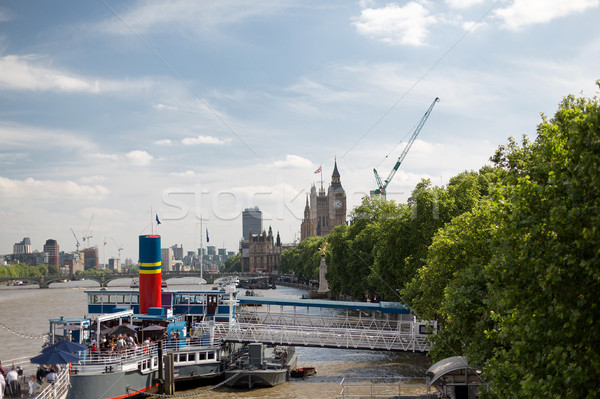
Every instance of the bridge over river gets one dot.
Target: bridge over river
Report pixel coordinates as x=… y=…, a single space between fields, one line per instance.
x=329 y=324
x=105 y=278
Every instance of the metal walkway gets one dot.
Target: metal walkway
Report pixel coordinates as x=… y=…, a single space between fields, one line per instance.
x=331 y=324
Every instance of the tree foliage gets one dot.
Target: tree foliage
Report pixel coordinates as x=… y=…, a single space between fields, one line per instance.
x=506 y=259
x=233 y=264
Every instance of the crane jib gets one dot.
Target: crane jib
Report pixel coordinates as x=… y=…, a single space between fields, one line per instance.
x=382 y=186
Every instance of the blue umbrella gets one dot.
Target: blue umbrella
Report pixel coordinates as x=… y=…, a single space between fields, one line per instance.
x=54 y=356
x=66 y=346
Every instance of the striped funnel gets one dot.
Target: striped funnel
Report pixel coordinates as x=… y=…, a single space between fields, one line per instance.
x=150 y=276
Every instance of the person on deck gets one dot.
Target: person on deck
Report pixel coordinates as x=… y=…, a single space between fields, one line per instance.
x=33 y=386
x=12 y=383
x=2 y=385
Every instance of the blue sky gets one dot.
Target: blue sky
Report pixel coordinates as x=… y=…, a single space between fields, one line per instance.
x=202 y=108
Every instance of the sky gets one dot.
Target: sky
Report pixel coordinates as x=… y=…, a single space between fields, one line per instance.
x=113 y=112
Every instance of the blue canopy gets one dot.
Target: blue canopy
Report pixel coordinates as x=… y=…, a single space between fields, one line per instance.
x=54 y=356
x=66 y=346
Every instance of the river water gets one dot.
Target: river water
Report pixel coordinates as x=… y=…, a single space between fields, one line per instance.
x=24 y=314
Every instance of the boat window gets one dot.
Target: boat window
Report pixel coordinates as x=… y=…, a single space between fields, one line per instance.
x=210 y=355
x=103 y=298
x=203 y=356
x=93 y=298
x=115 y=298
x=134 y=298
x=127 y=298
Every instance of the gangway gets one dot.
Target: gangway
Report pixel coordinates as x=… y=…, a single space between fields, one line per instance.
x=320 y=323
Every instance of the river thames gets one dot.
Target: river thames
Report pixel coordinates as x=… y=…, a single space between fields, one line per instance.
x=26 y=310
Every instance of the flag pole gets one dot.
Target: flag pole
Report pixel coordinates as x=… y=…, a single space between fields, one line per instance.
x=201 y=251
x=321 y=168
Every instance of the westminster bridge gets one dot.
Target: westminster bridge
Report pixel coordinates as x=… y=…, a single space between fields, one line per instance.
x=105 y=278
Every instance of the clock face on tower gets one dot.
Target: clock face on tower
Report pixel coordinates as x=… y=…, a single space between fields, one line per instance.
x=337 y=204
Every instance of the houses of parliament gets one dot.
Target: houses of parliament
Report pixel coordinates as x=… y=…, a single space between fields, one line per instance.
x=324 y=211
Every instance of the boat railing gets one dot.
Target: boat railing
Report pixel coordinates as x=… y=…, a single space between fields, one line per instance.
x=190 y=343
x=114 y=359
x=59 y=388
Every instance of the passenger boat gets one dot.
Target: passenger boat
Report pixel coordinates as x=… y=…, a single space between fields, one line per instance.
x=120 y=373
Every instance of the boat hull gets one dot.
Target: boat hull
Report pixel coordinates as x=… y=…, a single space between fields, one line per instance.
x=258 y=377
x=110 y=385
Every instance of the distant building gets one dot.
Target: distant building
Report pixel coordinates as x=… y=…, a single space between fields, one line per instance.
x=251 y=222
x=324 y=211
x=36 y=258
x=20 y=249
x=73 y=262
x=53 y=251
x=91 y=259
x=167 y=259
x=211 y=250
x=114 y=264
x=260 y=253
x=177 y=252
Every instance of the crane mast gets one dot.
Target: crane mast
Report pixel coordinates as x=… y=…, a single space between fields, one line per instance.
x=382 y=186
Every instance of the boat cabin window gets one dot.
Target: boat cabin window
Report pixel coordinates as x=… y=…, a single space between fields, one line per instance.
x=181 y=298
x=113 y=298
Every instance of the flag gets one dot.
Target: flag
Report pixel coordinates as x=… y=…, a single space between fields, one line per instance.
x=157 y=221
x=318 y=170
x=207 y=239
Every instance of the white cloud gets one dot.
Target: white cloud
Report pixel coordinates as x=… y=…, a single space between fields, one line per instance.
x=203 y=140
x=393 y=24
x=200 y=17
x=110 y=157
x=463 y=3
x=20 y=72
x=29 y=72
x=92 y=179
x=139 y=157
x=528 y=12
x=162 y=107
x=187 y=173
x=293 y=161
x=31 y=187
x=163 y=142
x=15 y=136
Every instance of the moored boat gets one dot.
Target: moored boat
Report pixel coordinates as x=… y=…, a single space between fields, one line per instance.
x=303 y=372
x=261 y=365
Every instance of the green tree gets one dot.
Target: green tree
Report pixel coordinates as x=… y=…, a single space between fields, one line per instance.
x=350 y=249
x=544 y=277
x=303 y=259
x=233 y=264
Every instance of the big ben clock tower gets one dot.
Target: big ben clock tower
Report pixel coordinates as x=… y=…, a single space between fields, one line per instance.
x=324 y=211
x=337 y=200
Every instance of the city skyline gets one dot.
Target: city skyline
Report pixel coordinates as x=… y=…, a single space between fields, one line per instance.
x=199 y=110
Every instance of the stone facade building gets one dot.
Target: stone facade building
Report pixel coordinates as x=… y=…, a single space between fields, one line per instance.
x=324 y=211
x=261 y=252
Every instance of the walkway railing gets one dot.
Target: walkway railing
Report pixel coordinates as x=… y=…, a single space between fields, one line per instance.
x=384 y=388
x=58 y=389
x=331 y=337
